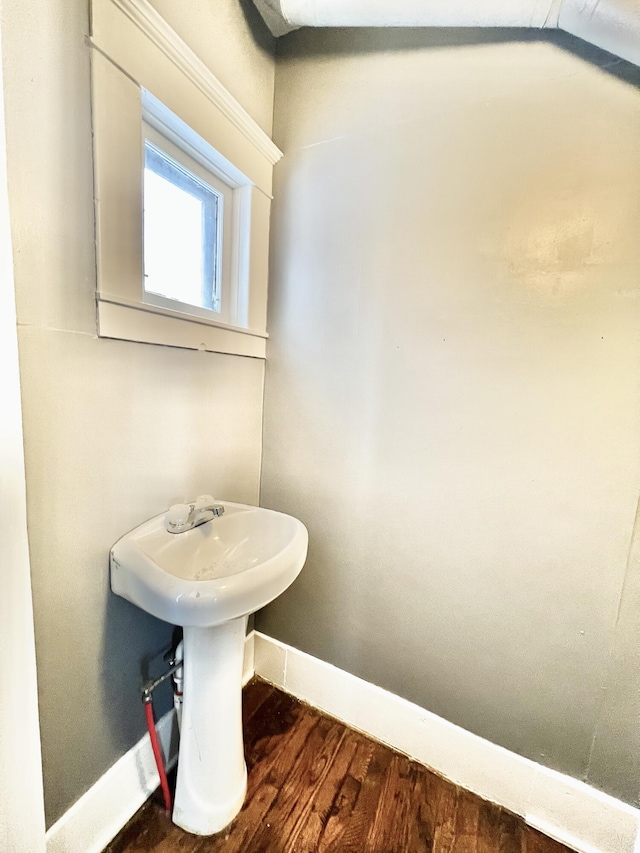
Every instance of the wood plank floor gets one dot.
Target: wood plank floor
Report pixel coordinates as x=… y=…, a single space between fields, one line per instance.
x=316 y=786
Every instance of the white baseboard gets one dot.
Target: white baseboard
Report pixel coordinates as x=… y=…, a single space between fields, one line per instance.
x=99 y=815
x=564 y=808
x=249 y=656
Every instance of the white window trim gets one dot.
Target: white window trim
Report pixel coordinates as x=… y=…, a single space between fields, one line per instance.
x=223 y=283
x=237 y=284
x=137 y=53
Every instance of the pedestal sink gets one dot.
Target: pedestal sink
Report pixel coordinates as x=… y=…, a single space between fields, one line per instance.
x=209 y=579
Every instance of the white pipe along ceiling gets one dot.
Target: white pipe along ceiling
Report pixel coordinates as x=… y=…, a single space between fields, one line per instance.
x=612 y=25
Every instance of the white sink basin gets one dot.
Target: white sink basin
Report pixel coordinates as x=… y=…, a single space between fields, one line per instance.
x=208 y=579
x=228 y=567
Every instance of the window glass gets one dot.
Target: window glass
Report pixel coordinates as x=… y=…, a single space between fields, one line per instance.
x=182 y=227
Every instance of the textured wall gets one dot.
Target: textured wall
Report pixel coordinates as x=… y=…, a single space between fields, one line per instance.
x=114 y=431
x=453 y=380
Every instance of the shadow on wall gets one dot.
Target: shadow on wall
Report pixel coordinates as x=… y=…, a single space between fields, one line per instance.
x=261 y=35
x=328 y=42
x=126 y=627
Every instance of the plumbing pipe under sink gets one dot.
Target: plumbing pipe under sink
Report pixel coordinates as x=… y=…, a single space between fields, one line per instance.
x=178 y=680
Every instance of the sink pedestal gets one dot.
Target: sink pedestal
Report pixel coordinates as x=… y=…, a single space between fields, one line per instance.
x=212 y=775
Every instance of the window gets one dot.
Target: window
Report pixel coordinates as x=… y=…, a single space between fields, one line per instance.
x=182 y=233
x=188 y=225
x=182 y=191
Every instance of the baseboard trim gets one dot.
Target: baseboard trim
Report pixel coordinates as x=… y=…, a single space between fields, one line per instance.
x=99 y=815
x=563 y=808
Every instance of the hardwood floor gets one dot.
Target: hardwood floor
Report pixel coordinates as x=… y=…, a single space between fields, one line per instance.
x=316 y=786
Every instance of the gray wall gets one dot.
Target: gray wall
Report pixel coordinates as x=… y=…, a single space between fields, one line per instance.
x=114 y=431
x=452 y=402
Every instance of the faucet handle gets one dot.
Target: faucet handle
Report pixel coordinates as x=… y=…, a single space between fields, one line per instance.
x=178 y=515
x=203 y=500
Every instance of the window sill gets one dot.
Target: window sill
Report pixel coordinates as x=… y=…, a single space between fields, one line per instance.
x=154 y=325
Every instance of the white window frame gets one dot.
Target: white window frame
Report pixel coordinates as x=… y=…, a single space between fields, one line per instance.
x=145 y=76
x=232 y=236
x=162 y=160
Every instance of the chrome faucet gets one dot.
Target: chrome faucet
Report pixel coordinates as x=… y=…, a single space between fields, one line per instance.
x=182 y=517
